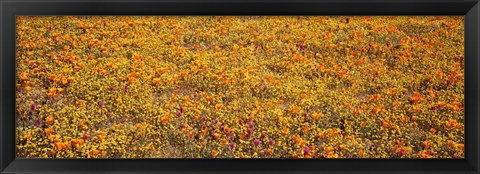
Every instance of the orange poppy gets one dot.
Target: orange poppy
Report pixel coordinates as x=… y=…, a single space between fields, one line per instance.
x=414 y=118
x=329 y=149
x=214 y=153
x=218 y=106
x=361 y=152
x=165 y=118
x=49 y=120
x=315 y=116
x=48 y=131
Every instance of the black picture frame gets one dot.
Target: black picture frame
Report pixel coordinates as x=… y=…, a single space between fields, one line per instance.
x=10 y=8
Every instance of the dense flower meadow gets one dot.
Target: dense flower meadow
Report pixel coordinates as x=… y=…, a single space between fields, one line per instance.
x=240 y=87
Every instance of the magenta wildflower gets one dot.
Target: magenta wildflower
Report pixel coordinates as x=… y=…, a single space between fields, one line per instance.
x=85 y=136
x=271 y=142
x=256 y=142
x=306 y=150
x=250 y=125
x=37 y=123
x=32 y=107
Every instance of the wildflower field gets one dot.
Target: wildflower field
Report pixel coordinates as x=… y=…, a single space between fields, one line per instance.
x=240 y=87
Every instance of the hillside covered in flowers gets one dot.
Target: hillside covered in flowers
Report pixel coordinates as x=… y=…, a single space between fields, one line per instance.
x=240 y=87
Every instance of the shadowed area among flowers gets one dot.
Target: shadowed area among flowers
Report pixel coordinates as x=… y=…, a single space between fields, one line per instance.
x=239 y=87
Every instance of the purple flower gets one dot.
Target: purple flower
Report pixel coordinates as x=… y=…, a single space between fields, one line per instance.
x=287 y=25
x=182 y=126
x=271 y=142
x=109 y=113
x=204 y=118
x=306 y=150
x=402 y=152
x=302 y=46
x=256 y=142
x=37 y=123
x=43 y=69
x=305 y=114
x=85 y=136
x=250 y=131
x=240 y=120
x=125 y=87
x=250 y=125
x=264 y=135
x=179 y=114
x=101 y=104
x=265 y=151
x=265 y=87
x=232 y=145
x=112 y=87
x=264 y=118
x=32 y=107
